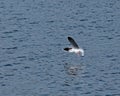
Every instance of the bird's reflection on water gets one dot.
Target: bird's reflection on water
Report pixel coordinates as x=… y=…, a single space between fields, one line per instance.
x=73 y=69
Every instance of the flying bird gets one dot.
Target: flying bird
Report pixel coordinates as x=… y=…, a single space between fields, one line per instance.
x=75 y=49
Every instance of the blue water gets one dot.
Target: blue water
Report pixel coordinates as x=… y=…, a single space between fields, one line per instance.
x=33 y=34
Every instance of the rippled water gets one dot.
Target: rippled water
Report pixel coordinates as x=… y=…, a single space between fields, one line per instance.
x=33 y=34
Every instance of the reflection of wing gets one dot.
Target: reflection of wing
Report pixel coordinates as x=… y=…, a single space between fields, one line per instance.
x=73 y=42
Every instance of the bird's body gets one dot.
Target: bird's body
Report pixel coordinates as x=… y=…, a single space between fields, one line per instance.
x=75 y=47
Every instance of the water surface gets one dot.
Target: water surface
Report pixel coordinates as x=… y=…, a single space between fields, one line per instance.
x=33 y=34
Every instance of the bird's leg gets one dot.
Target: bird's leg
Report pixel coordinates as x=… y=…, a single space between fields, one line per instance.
x=78 y=53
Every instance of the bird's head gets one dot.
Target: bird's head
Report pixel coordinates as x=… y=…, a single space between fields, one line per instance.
x=81 y=52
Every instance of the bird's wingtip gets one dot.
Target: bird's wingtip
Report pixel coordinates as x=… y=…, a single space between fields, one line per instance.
x=69 y=38
x=67 y=49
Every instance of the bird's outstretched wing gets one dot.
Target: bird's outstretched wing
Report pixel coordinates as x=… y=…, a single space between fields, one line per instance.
x=71 y=40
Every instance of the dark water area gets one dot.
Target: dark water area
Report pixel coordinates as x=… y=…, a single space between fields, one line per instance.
x=33 y=34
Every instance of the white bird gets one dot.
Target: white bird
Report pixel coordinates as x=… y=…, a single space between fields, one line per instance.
x=75 y=47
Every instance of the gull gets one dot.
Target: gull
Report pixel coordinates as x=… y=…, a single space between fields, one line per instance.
x=75 y=49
